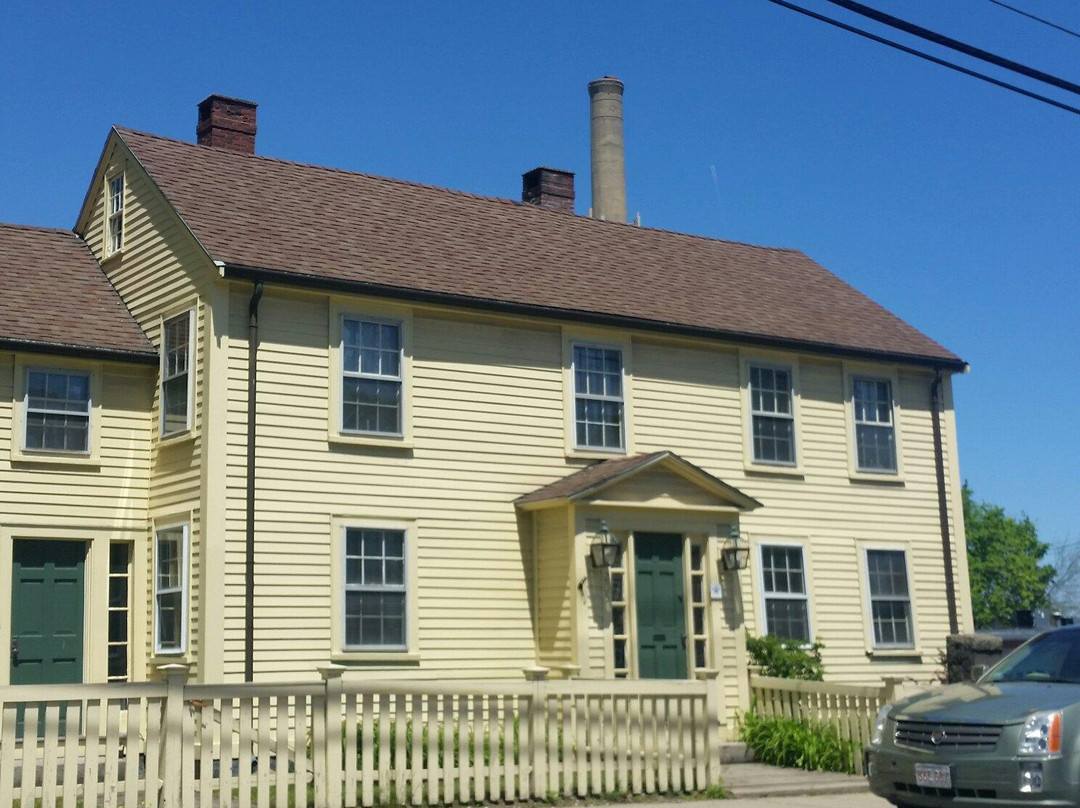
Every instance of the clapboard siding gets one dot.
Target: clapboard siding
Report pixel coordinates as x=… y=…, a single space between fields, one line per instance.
x=488 y=426
x=161 y=272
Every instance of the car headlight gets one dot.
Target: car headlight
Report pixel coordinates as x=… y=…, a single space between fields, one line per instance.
x=878 y=735
x=1041 y=735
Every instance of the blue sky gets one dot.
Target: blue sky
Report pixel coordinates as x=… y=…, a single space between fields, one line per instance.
x=952 y=202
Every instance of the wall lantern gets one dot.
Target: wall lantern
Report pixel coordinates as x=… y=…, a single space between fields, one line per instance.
x=734 y=555
x=604 y=550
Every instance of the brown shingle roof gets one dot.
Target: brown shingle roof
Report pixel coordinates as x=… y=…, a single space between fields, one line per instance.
x=326 y=226
x=57 y=299
x=591 y=478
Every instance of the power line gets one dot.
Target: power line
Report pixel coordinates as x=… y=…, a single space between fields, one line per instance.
x=1030 y=16
x=921 y=55
x=955 y=44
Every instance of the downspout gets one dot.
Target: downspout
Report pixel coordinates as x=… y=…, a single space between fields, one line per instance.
x=249 y=558
x=943 y=503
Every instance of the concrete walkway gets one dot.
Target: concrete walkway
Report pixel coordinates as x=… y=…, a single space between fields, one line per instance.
x=756 y=780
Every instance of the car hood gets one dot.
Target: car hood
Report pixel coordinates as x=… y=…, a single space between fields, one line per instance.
x=997 y=703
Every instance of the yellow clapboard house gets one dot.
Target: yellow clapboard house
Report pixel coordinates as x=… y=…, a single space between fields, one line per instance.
x=289 y=415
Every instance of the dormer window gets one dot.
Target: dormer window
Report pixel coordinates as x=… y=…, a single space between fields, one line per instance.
x=115 y=205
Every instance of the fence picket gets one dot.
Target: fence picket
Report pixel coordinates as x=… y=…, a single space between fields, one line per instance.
x=349 y=730
x=243 y=766
x=416 y=721
x=206 y=755
x=28 y=773
x=674 y=744
x=225 y=754
x=635 y=740
x=132 y=747
x=49 y=756
x=90 y=755
x=69 y=787
x=509 y=745
x=433 y=769
x=281 y=753
x=367 y=751
x=300 y=754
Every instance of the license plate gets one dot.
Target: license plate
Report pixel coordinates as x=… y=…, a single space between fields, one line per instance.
x=931 y=775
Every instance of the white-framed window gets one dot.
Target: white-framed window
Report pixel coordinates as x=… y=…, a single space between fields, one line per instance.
x=772 y=413
x=376 y=589
x=57 y=411
x=119 y=638
x=176 y=353
x=890 y=598
x=372 y=376
x=875 y=428
x=784 y=592
x=171 y=589
x=114 y=201
x=599 y=405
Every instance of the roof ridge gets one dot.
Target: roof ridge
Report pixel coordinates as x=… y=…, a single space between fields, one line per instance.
x=458 y=192
x=33 y=228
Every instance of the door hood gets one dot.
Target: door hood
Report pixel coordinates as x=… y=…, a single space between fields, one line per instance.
x=997 y=703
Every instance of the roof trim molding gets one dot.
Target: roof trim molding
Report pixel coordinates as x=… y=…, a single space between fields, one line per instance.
x=235 y=271
x=78 y=351
x=665 y=459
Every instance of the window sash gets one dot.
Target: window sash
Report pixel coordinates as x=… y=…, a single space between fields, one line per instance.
x=115 y=200
x=877 y=622
x=873 y=416
x=769 y=594
x=393 y=380
x=177 y=534
x=581 y=417
x=781 y=423
x=82 y=416
x=176 y=404
x=380 y=588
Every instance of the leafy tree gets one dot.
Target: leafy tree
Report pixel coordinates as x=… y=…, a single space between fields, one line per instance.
x=1003 y=563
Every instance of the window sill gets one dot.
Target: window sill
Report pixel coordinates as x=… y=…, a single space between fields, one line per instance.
x=55 y=458
x=776 y=470
x=376 y=657
x=387 y=442
x=113 y=257
x=894 y=653
x=595 y=454
x=177 y=438
x=882 y=478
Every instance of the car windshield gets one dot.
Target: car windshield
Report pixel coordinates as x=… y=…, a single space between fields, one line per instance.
x=1050 y=657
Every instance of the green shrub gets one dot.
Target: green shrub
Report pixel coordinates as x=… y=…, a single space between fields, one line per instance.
x=798 y=744
x=786 y=659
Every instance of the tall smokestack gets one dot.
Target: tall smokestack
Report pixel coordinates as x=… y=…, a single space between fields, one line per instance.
x=608 y=164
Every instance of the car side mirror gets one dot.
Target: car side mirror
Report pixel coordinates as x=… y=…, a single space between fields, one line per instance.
x=977 y=671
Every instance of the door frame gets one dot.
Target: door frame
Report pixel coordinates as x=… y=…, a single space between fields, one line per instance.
x=95 y=592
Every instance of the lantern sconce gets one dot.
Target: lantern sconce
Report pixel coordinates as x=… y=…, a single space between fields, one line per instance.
x=604 y=550
x=734 y=555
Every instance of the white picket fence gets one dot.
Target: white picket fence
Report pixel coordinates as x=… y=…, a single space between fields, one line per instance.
x=344 y=743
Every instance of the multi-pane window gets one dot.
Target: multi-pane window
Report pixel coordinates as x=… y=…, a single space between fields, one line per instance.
x=375 y=589
x=875 y=432
x=890 y=600
x=698 y=618
x=787 y=612
x=57 y=411
x=175 y=374
x=119 y=620
x=371 y=389
x=773 y=415
x=115 y=203
x=598 y=397
x=170 y=590
x=620 y=629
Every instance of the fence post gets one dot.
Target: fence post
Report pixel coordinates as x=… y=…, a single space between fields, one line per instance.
x=711 y=678
x=537 y=674
x=170 y=765
x=332 y=751
x=751 y=672
x=888 y=691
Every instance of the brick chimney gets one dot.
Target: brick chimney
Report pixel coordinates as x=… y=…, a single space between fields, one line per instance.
x=549 y=188
x=227 y=123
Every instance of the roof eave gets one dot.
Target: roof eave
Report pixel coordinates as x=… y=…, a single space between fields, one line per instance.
x=78 y=351
x=244 y=272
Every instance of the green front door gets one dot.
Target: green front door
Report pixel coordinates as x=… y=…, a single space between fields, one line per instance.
x=47 y=612
x=661 y=607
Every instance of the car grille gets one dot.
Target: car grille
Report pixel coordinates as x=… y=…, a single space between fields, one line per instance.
x=960 y=737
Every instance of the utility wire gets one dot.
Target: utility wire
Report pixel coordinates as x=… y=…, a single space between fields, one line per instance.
x=955 y=44
x=1023 y=13
x=926 y=56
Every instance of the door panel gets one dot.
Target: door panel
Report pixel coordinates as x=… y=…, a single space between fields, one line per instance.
x=47 y=588
x=661 y=605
